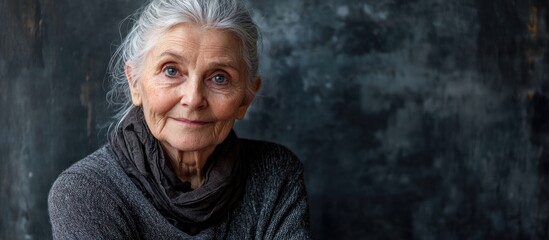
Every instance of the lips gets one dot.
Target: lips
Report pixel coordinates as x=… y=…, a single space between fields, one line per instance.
x=192 y=122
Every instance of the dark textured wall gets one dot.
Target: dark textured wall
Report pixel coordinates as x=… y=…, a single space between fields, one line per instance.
x=420 y=119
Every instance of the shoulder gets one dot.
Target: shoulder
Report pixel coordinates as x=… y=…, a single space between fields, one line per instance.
x=270 y=158
x=87 y=196
x=98 y=167
x=99 y=172
x=272 y=167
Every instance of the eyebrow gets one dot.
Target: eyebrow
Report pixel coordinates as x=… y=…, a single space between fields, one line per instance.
x=174 y=55
x=222 y=62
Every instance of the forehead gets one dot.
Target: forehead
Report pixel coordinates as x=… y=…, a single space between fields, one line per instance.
x=193 y=42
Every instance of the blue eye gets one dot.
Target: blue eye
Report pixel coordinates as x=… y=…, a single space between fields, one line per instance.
x=219 y=79
x=170 y=71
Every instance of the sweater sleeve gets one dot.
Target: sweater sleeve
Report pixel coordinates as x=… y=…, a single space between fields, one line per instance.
x=282 y=210
x=291 y=216
x=80 y=207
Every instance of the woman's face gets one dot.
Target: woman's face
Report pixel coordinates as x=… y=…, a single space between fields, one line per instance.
x=192 y=87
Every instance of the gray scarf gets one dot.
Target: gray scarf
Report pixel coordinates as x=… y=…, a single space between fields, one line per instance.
x=190 y=210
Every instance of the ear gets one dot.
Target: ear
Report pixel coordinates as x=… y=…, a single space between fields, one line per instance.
x=256 y=85
x=132 y=83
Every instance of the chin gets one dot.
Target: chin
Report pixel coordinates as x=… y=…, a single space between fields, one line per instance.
x=191 y=144
x=193 y=139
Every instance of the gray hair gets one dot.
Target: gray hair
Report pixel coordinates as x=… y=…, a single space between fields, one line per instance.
x=161 y=15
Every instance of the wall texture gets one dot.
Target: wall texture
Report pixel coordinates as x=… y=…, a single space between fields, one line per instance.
x=420 y=119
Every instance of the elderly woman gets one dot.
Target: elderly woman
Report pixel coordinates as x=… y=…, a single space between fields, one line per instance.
x=173 y=167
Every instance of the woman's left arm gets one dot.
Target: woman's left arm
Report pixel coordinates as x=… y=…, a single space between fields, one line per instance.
x=290 y=214
x=294 y=212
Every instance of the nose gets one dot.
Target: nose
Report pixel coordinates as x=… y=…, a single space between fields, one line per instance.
x=192 y=95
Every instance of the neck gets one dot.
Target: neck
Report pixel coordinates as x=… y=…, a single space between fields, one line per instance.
x=188 y=165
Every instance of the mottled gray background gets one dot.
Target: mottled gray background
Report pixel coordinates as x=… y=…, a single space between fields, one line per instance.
x=418 y=119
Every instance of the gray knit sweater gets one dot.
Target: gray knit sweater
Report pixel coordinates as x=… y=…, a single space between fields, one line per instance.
x=95 y=199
